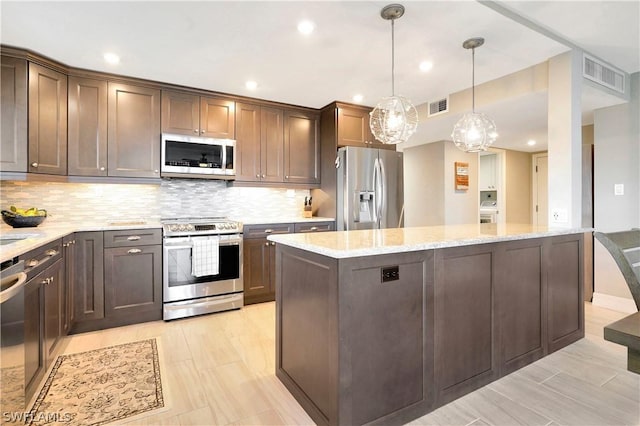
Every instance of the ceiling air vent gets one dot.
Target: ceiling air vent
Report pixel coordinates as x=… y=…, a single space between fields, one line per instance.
x=438 y=107
x=603 y=74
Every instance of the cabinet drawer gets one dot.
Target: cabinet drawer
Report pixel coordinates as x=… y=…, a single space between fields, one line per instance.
x=35 y=261
x=132 y=237
x=261 y=231
x=314 y=227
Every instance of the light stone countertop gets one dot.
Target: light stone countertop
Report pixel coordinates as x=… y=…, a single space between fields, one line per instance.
x=45 y=233
x=346 y=244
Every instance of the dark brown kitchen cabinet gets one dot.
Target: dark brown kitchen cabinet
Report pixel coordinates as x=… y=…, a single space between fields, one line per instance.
x=88 y=288
x=69 y=255
x=259 y=143
x=13 y=112
x=133 y=282
x=259 y=261
x=193 y=115
x=520 y=294
x=133 y=131
x=301 y=148
x=259 y=256
x=464 y=326
x=353 y=128
x=87 y=140
x=47 y=121
x=42 y=322
x=565 y=310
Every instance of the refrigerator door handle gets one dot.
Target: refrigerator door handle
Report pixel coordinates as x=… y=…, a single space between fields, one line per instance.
x=377 y=185
x=383 y=191
x=376 y=193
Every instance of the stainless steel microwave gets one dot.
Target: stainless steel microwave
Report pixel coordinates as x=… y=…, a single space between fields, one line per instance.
x=201 y=157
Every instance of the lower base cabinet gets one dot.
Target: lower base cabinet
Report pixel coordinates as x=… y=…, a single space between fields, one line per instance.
x=118 y=278
x=259 y=257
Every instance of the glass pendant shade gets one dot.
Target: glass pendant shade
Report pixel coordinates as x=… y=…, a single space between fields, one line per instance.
x=474 y=132
x=393 y=120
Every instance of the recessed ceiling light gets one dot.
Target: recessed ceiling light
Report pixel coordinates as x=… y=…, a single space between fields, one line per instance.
x=358 y=98
x=306 y=27
x=531 y=142
x=111 y=58
x=251 y=85
x=426 y=66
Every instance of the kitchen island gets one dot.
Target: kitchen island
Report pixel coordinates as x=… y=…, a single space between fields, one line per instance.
x=383 y=326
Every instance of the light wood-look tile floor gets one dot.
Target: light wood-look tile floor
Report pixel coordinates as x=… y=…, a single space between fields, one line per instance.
x=219 y=370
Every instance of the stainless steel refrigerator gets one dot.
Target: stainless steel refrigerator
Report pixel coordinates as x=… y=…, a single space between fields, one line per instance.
x=370 y=189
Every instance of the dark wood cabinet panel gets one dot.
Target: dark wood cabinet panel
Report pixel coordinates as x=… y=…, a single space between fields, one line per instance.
x=520 y=296
x=248 y=136
x=464 y=322
x=133 y=131
x=258 y=285
x=353 y=126
x=217 y=118
x=47 y=121
x=564 y=291
x=89 y=277
x=133 y=281
x=271 y=145
x=132 y=237
x=386 y=350
x=53 y=308
x=69 y=254
x=301 y=148
x=87 y=145
x=13 y=112
x=180 y=113
x=35 y=362
x=314 y=227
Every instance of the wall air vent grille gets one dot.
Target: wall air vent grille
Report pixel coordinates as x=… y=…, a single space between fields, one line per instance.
x=438 y=107
x=603 y=74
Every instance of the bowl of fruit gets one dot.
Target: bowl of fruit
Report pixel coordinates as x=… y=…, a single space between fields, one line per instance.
x=24 y=218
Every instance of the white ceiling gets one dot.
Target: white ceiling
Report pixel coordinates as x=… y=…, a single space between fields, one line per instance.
x=218 y=45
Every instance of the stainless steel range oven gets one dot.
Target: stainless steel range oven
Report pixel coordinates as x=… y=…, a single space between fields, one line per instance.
x=202 y=266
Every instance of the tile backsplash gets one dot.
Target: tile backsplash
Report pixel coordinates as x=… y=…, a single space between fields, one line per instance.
x=90 y=203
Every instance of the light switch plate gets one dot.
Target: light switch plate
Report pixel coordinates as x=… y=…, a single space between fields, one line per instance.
x=618 y=189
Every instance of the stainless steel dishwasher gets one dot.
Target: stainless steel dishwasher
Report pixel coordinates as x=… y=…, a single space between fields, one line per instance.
x=12 y=355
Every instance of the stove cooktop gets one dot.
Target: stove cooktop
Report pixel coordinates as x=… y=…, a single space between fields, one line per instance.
x=185 y=226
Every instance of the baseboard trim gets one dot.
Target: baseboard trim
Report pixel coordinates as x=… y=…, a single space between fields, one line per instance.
x=615 y=303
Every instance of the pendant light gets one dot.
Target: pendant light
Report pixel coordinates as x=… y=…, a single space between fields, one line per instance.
x=395 y=118
x=474 y=132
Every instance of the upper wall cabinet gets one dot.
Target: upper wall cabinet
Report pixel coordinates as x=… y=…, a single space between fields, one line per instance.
x=133 y=131
x=87 y=127
x=47 y=121
x=301 y=147
x=353 y=127
x=259 y=143
x=188 y=114
x=13 y=142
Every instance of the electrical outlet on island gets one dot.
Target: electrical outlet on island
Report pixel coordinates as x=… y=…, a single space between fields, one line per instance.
x=559 y=216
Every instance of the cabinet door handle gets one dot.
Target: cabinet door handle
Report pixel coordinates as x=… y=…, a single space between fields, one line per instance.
x=32 y=262
x=268 y=231
x=133 y=238
x=267 y=243
x=286 y=177
x=134 y=251
x=102 y=169
x=263 y=176
x=313 y=228
x=51 y=252
x=196 y=130
x=258 y=176
x=34 y=164
x=273 y=243
x=45 y=281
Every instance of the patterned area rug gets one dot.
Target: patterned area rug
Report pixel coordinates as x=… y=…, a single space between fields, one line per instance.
x=100 y=386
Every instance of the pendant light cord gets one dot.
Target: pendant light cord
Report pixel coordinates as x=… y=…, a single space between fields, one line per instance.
x=393 y=44
x=473 y=79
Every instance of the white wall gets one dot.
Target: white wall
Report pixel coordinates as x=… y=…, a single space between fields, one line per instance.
x=429 y=186
x=616 y=161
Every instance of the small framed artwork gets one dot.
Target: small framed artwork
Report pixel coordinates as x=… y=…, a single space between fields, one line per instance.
x=462 y=176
